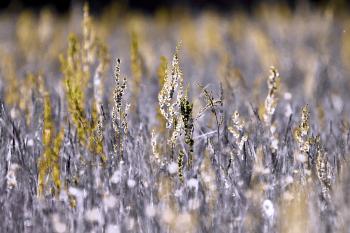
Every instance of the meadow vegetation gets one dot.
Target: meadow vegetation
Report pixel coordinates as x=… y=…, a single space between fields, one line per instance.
x=175 y=122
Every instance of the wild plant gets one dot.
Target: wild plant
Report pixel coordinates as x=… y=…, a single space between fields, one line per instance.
x=240 y=136
x=213 y=104
x=270 y=104
x=173 y=85
x=97 y=108
x=120 y=110
x=160 y=129
x=49 y=162
x=271 y=98
x=323 y=169
x=180 y=165
x=177 y=112
x=169 y=104
x=76 y=70
x=301 y=135
x=186 y=109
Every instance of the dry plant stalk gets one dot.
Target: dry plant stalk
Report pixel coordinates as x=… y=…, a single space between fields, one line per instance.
x=271 y=99
x=213 y=104
x=161 y=127
x=173 y=85
x=97 y=113
x=177 y=111
x=323 y=170
x=120 y=110
x=169 y=104
x=302 y=131
x=180 y=160
x=301 y=135
x=237 y=130
x=270 y=106
x=186 y=109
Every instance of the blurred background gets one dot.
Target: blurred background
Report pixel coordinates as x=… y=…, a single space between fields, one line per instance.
x=150 y=6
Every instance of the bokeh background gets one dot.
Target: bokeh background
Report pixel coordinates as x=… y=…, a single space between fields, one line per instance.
x=151 y=6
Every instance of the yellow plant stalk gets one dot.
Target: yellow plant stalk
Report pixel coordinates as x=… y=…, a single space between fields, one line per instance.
x=76 y=71
x=75 y=82
x=48 y=164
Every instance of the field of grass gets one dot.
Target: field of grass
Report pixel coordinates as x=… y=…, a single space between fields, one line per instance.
x=175 y=122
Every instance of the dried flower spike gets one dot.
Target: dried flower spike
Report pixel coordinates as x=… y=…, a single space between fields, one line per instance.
x=186 y=112
x=173 y=85
x=271 y=99
x=120 y=109
x=237 y=130
x=180 y=160
x=323 y=169
x=302 y=131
